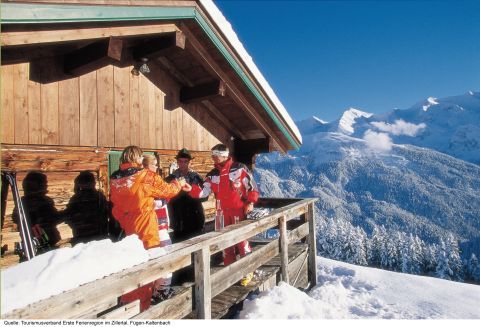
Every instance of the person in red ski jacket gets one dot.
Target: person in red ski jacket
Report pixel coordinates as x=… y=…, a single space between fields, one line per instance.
x=233 y=184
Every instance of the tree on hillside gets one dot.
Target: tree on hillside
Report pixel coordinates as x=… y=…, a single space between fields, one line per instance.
x=375 y=247
x=472 y=269
x=411 y=254
x=455 y=261
x=443 y=269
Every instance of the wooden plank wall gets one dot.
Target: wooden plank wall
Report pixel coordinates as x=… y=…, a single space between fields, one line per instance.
x=61 y=165
x=109 y=107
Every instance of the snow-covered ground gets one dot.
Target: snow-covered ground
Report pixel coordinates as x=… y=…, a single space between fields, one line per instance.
x=347 y=291
x=344 y=291
x=67 y=268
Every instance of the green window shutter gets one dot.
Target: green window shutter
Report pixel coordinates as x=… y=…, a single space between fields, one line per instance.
x=113 y=161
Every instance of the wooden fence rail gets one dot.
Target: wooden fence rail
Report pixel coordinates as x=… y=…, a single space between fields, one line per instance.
x=293 y=217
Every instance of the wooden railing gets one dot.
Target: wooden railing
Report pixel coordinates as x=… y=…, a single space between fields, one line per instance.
x=293 y=217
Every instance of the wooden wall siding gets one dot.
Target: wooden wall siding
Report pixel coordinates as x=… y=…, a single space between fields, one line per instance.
x=20 y=106
x=106 y=108
x=122 y=106
x=49 y=113
x=109 y=107
x=88 y=109
x=134 y=110
x=69 y=108
x=34 y=113
x=8 y=120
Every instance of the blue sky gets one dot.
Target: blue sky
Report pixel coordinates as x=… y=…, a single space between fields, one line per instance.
x=322 y=57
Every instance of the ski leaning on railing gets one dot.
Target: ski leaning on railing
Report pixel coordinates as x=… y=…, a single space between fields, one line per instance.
x=28 y=248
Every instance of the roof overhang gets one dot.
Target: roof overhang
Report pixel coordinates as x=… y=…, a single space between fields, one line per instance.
x=203 y=12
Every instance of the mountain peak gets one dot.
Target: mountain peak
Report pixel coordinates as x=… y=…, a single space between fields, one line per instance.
x=310 y=125
x=321 y=121
x=348 y=119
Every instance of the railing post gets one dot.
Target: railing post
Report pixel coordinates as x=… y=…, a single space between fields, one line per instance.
x=282 y=224
x=312 y=245
x=203 y=289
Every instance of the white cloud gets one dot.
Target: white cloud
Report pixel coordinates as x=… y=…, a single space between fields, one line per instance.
x=378 y=141
x=400 y=127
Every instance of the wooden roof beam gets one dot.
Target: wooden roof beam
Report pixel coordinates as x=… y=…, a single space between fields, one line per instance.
x=160 y=46
x=190 y=94
x=78 y=34
x=94 y=56
x=220 y=117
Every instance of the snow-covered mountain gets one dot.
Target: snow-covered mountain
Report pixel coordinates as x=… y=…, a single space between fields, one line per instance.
x=450 y=125
x=410 y=170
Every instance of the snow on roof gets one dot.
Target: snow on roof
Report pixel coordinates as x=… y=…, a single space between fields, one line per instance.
x=226 y=28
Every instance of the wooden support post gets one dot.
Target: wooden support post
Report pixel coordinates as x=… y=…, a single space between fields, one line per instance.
x=203 y=290
x=282 y=224
x=312 y=245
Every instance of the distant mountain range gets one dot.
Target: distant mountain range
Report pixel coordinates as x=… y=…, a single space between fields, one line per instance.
x=414 y=170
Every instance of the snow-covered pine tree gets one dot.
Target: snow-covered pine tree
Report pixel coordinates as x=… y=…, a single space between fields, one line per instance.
x=472 y=269
x=429 y=263
x=411 y=254
x=322 y=236
x=375 y=248
x=454 y=259
x=443 y=269
x=359 y=246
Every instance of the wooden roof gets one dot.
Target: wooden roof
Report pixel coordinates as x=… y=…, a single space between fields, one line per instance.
x=177 y=37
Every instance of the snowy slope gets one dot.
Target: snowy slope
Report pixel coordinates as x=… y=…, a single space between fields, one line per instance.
x=347 y=291
x=370 y=170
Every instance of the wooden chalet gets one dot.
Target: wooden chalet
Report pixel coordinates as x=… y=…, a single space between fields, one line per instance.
x=75 y=91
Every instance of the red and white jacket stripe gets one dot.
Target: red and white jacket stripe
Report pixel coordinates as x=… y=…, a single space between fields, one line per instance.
x=232 y=183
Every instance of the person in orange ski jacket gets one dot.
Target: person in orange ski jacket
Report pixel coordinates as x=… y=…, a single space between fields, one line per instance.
x=132 y=193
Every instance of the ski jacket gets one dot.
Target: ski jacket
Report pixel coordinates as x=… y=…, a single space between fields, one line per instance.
x=232 y=183
x=132 y=192
x=187 y=214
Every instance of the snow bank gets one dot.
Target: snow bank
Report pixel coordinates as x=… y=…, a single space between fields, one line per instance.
x=347 y=291
x=64 y=269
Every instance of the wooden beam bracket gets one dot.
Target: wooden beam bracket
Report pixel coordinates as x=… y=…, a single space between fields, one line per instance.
x=202 y=92
x=160 y=46
x=94 y=56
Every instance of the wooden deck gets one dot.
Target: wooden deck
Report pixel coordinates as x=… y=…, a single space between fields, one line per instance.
x=215 y=292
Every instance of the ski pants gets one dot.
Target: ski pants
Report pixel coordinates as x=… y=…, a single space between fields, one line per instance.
x=242 y=248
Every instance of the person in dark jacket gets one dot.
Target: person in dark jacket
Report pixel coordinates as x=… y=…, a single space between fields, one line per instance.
x=186 y=213
x=87 y=211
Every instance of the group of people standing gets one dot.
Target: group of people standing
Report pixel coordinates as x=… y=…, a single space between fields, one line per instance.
x=138 y=194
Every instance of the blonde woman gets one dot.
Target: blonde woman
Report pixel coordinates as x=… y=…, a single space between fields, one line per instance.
x=161 y=288
x=132 y=192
